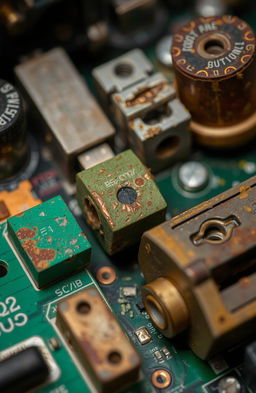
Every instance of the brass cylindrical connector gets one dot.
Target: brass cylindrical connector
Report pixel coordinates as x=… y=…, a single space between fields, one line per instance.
x=166 y=307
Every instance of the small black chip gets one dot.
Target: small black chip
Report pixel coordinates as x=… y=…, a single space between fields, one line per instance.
x=140 y=306
x=23 y=371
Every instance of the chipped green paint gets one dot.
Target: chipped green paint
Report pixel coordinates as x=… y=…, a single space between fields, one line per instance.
x=50 y=241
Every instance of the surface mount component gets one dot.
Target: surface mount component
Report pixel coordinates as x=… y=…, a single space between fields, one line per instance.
x=143 y=335
x=23 y=371
x=50 y=241
x=215 y=68
x=13 y=133
x=120 y=200
x=200 y=269
x=98 y=340
x=63 y=106
x=121 y=73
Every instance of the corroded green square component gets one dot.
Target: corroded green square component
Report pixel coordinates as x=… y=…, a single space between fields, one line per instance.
x=120 y=200
x=50 y=241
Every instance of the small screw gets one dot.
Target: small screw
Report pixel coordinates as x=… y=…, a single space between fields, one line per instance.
x=193 y=176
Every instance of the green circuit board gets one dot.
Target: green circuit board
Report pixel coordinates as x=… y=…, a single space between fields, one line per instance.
x=27 y=312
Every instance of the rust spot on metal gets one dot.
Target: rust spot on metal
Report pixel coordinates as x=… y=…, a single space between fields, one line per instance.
x=146 y=95
x=139 y=182
x=117 y=98
x=245 y=282
x=152 y=132
x=244 y=191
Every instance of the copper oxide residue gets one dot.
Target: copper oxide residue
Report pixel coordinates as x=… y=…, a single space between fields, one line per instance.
x=91 y=215
x=131 y=208
x=103 y=208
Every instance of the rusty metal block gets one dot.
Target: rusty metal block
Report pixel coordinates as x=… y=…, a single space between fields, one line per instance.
x=121 y=73
x=97 y=338
x=63 y=106
x=162 y=137
x=201 y=271
x=154 y=122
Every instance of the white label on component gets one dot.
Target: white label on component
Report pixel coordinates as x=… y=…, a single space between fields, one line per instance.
x=10 y=310
x=68 y=288
x=121 y=178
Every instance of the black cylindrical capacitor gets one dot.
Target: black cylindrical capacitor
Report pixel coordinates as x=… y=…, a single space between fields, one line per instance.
x=13 y=135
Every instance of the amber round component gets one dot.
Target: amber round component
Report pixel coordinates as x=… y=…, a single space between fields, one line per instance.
x=215 y=72
x=161 y=379
x=106 y=275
